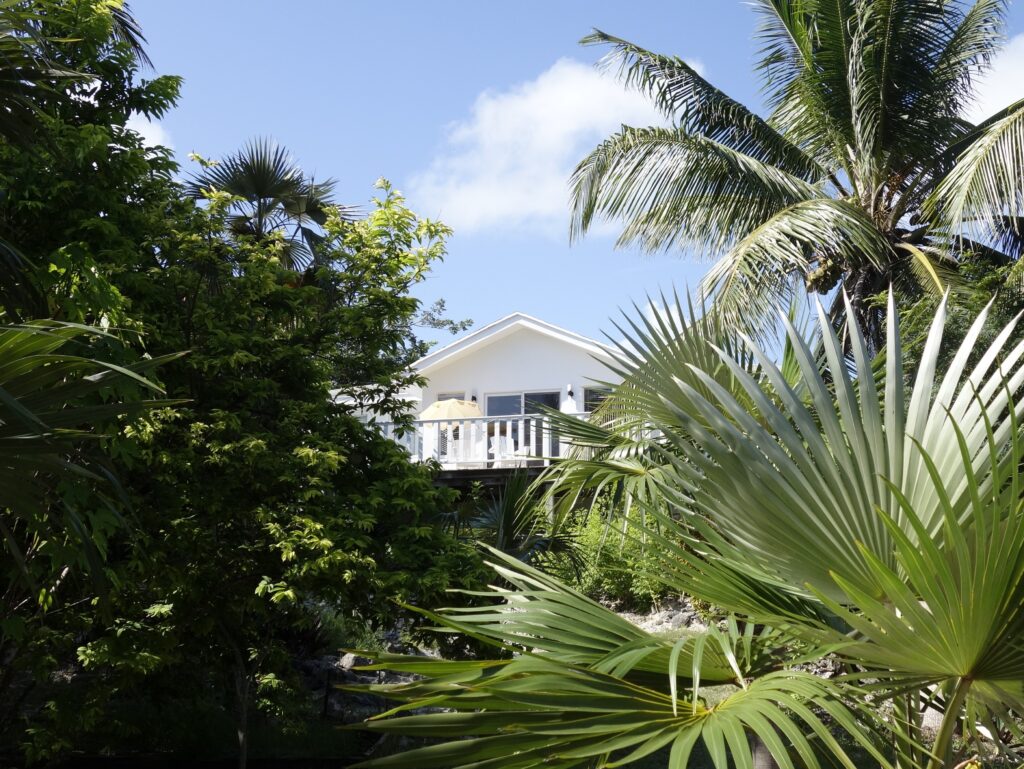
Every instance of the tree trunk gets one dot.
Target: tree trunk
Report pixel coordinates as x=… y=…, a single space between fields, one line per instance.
x=762 y=756
x=870 y=320
x=242 y=685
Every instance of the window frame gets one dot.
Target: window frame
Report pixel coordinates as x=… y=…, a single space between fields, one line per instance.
x=522 y=399
x=605 y=391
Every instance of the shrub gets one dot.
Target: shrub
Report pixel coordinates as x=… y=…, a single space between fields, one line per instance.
x=617 y=569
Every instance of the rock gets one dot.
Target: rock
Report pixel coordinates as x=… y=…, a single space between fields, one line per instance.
x=672 y=615
x=350 y=660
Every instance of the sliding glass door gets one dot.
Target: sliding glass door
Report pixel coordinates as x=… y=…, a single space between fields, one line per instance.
x=535 y=440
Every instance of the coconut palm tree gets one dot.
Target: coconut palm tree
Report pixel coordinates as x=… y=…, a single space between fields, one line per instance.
x=874 y=518
x=865 y=172
x=273 y=195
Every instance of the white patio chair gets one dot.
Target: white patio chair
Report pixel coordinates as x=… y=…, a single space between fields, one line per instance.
x=504 y=450
x=473 y=452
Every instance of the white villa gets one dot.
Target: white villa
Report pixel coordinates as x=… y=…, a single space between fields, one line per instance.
x=505 y=371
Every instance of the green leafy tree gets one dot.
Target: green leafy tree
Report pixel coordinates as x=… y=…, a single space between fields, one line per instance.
x=864 y=174
x=264 y=498
x=84 y=202
x=69 y=391
x=255 y=511
x=832 y=513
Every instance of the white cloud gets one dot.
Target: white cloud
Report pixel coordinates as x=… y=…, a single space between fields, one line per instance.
x=1002 y=85
x=153 y=134
x=507 y=165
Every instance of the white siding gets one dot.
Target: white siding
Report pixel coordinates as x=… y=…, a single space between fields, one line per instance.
x=521 y=360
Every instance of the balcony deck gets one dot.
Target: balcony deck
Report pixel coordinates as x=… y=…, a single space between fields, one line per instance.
x=480 y=444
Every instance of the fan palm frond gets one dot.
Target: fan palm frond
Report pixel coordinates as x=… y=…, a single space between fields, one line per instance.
x=273 y=195
x=586 y=684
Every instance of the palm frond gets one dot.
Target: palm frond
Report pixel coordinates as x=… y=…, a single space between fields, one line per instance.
x=512 y=521
x=786 y=33
x=618 y=451
x=761 y=272
x=49 y=407
x=586 y=685
x=261 y=170
x=26 y=73
x=788 y=474
x=127 y=30
x=806 y=60
x=699 y=108
x=987 y=181
x=672 y=189
x=1008 y=235
x=968 y=50
x=274 y=196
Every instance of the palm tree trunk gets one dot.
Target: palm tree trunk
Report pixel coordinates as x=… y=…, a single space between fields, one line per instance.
x=860 y=287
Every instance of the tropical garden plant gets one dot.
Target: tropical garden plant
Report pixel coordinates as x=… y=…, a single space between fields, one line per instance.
x=70 y=392
x=864 y=174
x=833 y=509
x=59 y=501
x=513 y=520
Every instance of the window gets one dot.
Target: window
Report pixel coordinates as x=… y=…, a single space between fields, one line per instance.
x=514 y=404
x=531 y=401
x=594 y=397
x=504 y=405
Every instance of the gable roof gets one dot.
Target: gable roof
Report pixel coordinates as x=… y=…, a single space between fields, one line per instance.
x=502 y=327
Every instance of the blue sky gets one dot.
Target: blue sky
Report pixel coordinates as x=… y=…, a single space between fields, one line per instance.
x=476 y=110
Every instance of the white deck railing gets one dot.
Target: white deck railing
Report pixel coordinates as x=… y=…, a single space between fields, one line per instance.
x=480 y=442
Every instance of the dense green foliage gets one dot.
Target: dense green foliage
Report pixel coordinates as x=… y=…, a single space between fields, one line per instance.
x=618 y=570
x=185 y=561
x=85 y=200
x=66 y=399
x=261 y=484
x=191 y=502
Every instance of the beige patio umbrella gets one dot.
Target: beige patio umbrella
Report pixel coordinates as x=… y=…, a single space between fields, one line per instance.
x=451 y=408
